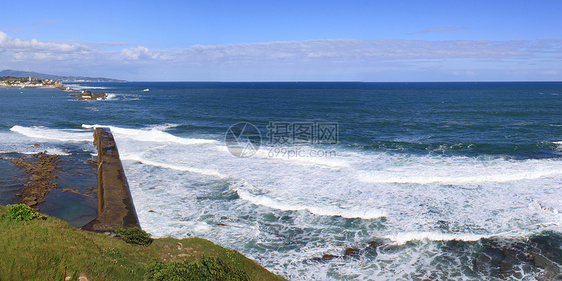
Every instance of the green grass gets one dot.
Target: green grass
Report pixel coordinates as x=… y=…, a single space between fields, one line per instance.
x=40 y=249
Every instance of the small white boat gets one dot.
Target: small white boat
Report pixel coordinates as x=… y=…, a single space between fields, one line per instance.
x=146 y=90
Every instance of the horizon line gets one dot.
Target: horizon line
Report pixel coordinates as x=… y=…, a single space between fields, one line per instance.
x=323 y=81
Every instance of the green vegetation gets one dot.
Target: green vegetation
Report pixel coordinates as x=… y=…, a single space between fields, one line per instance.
x=41 y=249
x=206 y=269
x=134 y=235
x=22 y=212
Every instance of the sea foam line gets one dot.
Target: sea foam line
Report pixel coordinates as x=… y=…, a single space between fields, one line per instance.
x=151 y=135
x=53 y=134
x=458 y=170
x=404 y=237
x=182 y=168
x=321 y=211
x=385 y=178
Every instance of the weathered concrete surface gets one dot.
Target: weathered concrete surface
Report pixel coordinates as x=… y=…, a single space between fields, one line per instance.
x=115 y=206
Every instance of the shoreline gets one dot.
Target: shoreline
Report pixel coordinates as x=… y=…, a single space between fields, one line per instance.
x=81 y=95
x=60 y=87
x=41 y=169
x=34 y=87
x=115 y=208
x=176 y=194
x=57 y=185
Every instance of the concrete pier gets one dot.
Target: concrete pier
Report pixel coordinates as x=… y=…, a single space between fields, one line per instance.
x=115 y=205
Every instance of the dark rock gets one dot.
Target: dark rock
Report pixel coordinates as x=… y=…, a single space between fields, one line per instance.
x=351 y=252
x=544 y=251
x=41 y=169
x=488 y=261
x=88 y=95
x=370 y=250
x=374 y=245
x=324 y=258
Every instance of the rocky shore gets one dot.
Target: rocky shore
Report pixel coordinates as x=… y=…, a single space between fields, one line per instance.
x=42 y=170
x=88 y=95
x=500 y=258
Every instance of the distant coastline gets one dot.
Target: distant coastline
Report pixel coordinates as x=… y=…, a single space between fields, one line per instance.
x=37 y=83
x=32 y=82
x=26 y=79
x=17 y=73
x=35 y=86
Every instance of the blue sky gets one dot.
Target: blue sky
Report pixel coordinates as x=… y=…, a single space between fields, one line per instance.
x=286 y=40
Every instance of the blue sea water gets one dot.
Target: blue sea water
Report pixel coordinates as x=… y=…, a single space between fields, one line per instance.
x=452 y=180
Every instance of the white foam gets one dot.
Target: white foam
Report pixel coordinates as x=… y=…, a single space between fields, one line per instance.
x=458 y=180
x=313 y=203
x=304 y=155
x=50 y=151
x=527 y=230
x=86 y=87
x=402 y=238
x=110 y=96
x=321 y=211
x=183 y=168
x=163 y=126
x=151 y=135
x=543 y=207
x=38 y=132
x=460 y=170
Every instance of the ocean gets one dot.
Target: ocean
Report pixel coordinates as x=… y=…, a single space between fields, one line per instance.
x=320 y=181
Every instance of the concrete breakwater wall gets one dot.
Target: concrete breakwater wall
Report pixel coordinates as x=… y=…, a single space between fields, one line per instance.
x=115 y=205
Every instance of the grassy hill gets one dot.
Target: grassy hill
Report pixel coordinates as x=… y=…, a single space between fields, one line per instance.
x=40 y=249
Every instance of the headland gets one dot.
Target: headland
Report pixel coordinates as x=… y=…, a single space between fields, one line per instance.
x=39 y=83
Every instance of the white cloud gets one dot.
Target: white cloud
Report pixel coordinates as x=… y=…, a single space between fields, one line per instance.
x=8 y=44
x=338 y=50
x=283 y=59
x=138 y=53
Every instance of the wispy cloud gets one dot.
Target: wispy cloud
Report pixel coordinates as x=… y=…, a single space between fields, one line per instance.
x=442 y=29
x=9 y=44
x=344 y=50
x=283 y=59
